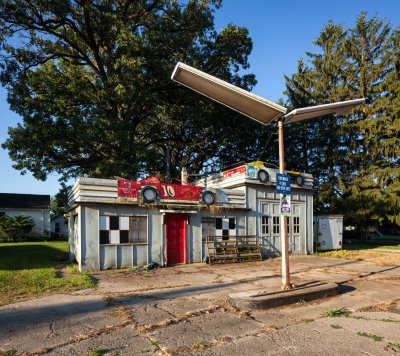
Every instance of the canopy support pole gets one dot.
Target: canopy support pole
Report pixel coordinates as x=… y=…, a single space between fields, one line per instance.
x=283 y=219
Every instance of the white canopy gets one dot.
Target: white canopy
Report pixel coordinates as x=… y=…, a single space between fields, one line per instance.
x=246 y=103
x=238 y=99
x=341 y=107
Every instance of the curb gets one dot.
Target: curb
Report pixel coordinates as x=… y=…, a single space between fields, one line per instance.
x=265 y=300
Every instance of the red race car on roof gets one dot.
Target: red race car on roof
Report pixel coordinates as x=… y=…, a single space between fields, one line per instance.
x=153 y=189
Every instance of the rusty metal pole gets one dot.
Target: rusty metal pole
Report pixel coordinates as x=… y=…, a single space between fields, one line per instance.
x=283 y=222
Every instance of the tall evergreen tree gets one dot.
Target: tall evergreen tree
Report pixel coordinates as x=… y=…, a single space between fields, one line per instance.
x=387 y=139
x=367 y=47
x=358 y=171
x=322 y=144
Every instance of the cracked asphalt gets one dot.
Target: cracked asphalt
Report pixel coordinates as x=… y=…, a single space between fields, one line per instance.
x=182 y=310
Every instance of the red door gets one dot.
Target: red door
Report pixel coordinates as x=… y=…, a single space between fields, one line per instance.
x=176 y=238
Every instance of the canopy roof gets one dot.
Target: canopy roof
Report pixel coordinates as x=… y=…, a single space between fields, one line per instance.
x=246 y=103
x=341 y=107
x=238 y=99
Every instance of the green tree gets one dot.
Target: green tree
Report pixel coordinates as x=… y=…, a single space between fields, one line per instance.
x=387 y=140
x=15 y=228
x=319 y=145
x=368 y=46
x=91 y=81
x=354 y=158
x=59 y=202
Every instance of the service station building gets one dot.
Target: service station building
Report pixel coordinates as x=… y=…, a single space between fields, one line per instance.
x=120 y=223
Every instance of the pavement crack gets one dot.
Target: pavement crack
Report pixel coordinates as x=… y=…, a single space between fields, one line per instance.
x=164 y=310
x=175 y=320
x=200 y=346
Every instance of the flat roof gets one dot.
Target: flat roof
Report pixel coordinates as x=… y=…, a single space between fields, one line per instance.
x=24 y=201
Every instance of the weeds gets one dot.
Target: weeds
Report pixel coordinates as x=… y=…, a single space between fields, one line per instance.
x=302 y=301
x=394 y=346
x=155 y=344
x=374 y=337
x=331 y=313
x=360 y=318
x=8 y=353
x=72 y=268
x=387 y=306
x=305 y=321
x=336 y=326
x=94 y=352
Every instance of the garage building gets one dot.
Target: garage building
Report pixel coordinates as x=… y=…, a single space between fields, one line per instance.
x=120 y=223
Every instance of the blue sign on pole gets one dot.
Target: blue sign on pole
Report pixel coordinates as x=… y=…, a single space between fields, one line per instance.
x=282 y=183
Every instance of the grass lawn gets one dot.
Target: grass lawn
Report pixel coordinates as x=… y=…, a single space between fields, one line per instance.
x=372 y=250
x=32 y=269
x=375 y=256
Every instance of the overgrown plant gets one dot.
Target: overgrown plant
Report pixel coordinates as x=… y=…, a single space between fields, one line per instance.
x=334 y=313
x=374 y=337
x=13 y=229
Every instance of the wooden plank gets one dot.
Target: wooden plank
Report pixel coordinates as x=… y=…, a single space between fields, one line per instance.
x=241 y=249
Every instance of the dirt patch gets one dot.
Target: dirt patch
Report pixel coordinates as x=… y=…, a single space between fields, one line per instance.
x=63 y=273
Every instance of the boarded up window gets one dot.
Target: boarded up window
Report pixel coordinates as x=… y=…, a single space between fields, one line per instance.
x=138 y=229
x=207 y=228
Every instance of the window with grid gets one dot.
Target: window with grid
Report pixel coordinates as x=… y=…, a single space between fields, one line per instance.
x=123 y=229
x=138 y=229
x=275 y=224
x=296 y=224
x=207 y=228
x=264 y=225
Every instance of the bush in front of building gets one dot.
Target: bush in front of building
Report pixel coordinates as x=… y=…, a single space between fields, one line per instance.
x=14 y=229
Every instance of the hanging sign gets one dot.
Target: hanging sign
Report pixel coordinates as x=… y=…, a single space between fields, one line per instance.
x=285 y=205
x=282 y=183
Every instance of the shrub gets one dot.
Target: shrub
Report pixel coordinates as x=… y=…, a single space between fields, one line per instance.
x=15 y=228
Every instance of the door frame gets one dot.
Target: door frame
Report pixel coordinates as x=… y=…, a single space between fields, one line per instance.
x=184 y=237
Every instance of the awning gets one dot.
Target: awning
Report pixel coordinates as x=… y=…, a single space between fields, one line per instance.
x=238 y=99
x=341 y=107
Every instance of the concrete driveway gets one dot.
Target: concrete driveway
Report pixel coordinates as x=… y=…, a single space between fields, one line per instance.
x=182 y=310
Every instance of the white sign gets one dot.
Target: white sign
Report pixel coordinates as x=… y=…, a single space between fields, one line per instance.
x=285 y=205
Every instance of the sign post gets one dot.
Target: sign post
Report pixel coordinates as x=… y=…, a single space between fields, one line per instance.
x=284 y=189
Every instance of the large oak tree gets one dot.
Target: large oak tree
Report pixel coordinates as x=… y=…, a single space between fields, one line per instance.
x=91 y=81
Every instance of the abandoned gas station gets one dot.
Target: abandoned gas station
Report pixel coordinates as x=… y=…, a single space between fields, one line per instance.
x=119 y=223
x=242 y=213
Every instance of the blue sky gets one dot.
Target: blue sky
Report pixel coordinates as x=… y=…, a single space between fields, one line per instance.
x=282 y=31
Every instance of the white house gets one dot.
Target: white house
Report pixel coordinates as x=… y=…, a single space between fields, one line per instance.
x=59 y=225
x=33 y=205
